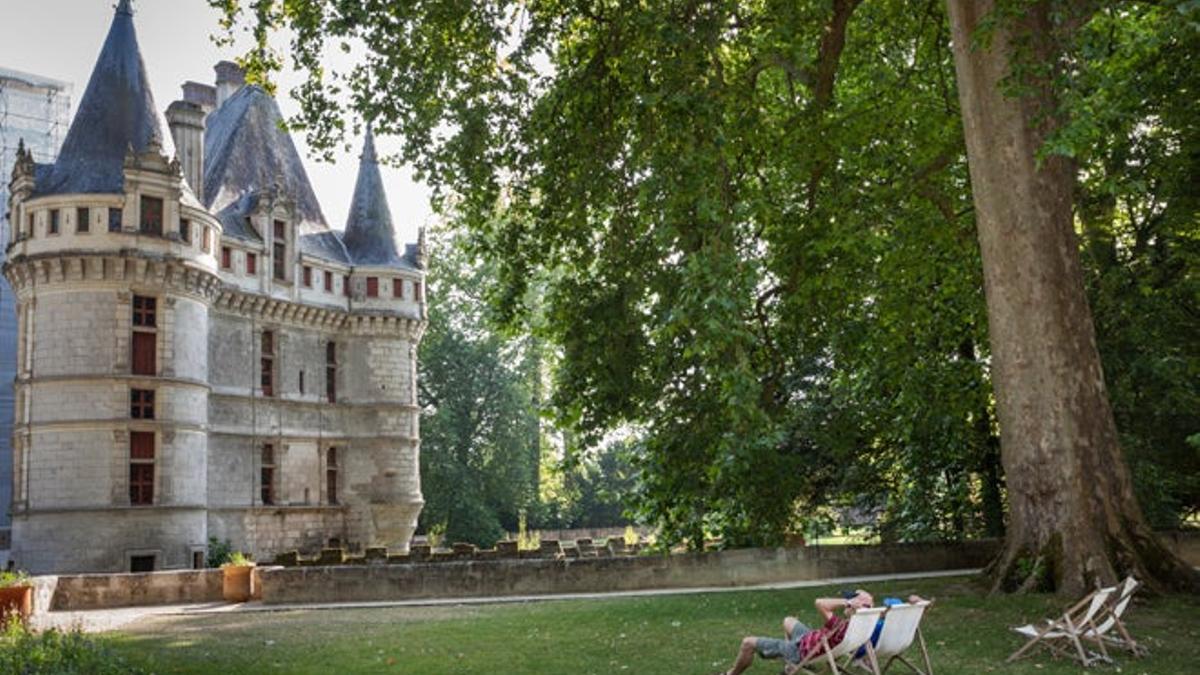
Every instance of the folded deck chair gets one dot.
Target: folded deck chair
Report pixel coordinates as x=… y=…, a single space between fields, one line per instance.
x=1111 y=618
x=900 y=627
x=858 y=633
x=1059 y=635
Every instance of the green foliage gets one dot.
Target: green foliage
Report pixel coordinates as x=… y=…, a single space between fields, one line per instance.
x=8 y=579
x=219 y=552
x=239 y=559
x=479 y=430
x=743 y=231
x=55 y=652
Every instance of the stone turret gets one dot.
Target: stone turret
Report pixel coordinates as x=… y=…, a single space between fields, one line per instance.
x=113 y=294
x=370 y=236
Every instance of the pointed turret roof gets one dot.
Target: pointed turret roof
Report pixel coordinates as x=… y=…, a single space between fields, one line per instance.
x=246 y=150
x=370 y=237
x=116 y=113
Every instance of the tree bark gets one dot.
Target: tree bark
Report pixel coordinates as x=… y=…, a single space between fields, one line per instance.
x=1073 y=519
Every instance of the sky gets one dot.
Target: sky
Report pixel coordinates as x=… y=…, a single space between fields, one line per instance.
x=61 y=39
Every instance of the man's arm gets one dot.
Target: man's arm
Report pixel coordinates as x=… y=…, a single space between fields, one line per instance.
x=827 y=606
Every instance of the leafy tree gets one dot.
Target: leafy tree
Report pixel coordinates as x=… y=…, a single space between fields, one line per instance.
x=476 y=468
x=751 y=232
x=1073 y=517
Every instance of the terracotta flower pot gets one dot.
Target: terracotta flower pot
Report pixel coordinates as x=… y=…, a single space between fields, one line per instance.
x=16 y=601
x=237 y=582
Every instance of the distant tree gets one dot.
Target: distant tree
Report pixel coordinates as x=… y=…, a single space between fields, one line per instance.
x=477 y=472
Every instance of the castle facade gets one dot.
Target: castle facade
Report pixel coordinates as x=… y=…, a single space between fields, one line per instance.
x=199 y=354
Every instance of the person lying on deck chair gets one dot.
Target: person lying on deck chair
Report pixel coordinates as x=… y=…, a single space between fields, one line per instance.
x=800 y=641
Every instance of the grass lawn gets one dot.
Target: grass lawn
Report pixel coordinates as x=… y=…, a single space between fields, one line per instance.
x=966 y=633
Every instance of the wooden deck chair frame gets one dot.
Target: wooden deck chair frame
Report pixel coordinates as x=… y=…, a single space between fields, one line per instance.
x=900 y=655
x=1111 y=615
x=1071 y=626
x=827 y=656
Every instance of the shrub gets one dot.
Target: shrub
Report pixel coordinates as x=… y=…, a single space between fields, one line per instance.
x=57 y=652
x=239 y=559
x=9 y=579
x=219 y=552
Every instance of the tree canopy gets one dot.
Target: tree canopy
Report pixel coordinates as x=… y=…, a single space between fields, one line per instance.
x=745 y=230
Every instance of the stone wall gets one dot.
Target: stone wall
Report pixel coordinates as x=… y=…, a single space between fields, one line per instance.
x=99 y=591
x=500 y=577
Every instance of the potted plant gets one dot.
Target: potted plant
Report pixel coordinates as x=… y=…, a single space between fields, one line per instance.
x=16 y=596
x=237 y=576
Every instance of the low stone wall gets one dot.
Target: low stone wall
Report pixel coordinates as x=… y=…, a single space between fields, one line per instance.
x=473 y=578
x=100 y=591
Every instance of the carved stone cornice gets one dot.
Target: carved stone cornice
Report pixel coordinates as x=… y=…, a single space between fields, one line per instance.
x=25 y=273
x=266 y=309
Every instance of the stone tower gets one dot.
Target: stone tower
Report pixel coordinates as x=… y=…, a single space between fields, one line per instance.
x=200 y=354
x=110 y=444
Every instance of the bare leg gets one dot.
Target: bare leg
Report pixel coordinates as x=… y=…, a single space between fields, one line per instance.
x=789 y=626
x=745 y=656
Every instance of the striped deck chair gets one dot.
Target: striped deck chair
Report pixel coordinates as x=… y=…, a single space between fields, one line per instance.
x=1060 y=634
x=858 y=633
x=1112 y=619
x=900 y=627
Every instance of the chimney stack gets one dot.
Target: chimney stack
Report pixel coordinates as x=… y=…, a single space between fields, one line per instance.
x=230 y=78
x=186 y=120
x=203 y=95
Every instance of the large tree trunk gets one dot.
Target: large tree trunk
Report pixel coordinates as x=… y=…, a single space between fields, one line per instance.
x=1073 y=519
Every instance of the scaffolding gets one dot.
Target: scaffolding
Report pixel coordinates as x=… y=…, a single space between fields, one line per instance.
x=34 y=109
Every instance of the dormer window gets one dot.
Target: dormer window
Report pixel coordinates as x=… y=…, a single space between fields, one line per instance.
x=83 y=217
x=152 y=216
x=372 y=287
x=279 y=251
x=115 y=220
x=307 y=276
x=398 y=288
x=54 y=216
x=417 y=291
x=251 y=264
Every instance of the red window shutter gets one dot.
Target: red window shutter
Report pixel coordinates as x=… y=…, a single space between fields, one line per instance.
x=329 y=281
x=397 y=288
x=372 y=287
x=141 y=445
x=145 y=359
x=226 y=258
x=251 y=263
x=307 y=277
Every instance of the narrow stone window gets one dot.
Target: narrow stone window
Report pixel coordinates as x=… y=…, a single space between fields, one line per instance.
x=83 y=220
x=185 y=231
x=251 y=264
x=397 y=288
x=226 y=258
x=198 y=560
x=372 y=287
x=331 y=372
x=54 y=215
x=346 y=286
x=417 y=291
x=267 y=474
x=31 y=220
x=152 y=216
x=307 y=276
x=141 y=468
x=279 y=261
x=115 y=220
x=141 y=404
x=268 y=363
x=331 y=475
x=301 y=382
x=145 y=323
x=206 y=240
x=328 y=281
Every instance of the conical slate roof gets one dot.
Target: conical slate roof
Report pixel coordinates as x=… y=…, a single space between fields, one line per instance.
x=370 y=237
x=116 y=113
x=245 y=150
